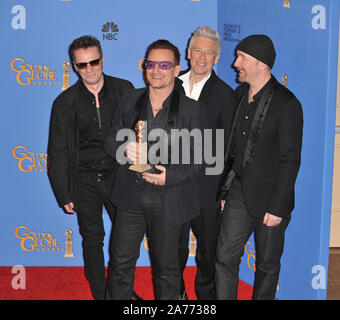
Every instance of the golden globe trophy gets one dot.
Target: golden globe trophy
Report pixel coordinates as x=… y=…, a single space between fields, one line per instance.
x=141 y=132
x=66 y=75
x=286 y=4
x=68 y=252
x=284 y=80
x=192 y=252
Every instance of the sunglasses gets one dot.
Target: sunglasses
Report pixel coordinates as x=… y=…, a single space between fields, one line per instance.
x=163 y=65
x=92 y=63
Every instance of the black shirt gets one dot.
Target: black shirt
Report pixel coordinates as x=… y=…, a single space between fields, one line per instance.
x=93 y=126
x=156 y=122
x=243 y=125
x=159 y=121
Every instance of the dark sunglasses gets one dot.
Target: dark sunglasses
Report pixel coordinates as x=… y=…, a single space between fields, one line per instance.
x=92 y=63
x=163 y=65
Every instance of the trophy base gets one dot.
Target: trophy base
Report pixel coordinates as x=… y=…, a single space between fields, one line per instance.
x=140 y=167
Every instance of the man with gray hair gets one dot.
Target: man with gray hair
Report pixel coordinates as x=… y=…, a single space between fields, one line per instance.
x=201 y=83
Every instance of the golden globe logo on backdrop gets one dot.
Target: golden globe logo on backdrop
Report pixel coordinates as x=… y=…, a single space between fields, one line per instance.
x=28 y=73
x=192 y=244
x=141 y=63
x=37 y=241
x=250 y=252
x=30 y=161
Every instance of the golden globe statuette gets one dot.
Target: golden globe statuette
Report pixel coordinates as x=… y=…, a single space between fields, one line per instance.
x=66 y=75
x=68 y=252
x=286 y=3
x=146 y=243
x=141 y=133
x=192 y=251
x=284 y=80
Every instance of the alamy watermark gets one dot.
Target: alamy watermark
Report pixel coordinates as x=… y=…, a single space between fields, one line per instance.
x=19 y=280
x=180 y=146
x=319 y=280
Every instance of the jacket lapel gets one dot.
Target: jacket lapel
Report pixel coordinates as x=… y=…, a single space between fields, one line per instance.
x=173 y=111
x=207 y=90
x=205 y=96
x=139 y=110
x=257 y=124
x=232 y=132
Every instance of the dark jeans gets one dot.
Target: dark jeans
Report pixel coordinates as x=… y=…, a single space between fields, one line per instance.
x=145 y=216
x=94 y=193
x=236 y=227
x=205 y=228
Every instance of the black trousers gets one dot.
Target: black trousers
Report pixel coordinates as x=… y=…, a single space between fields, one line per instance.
x=145 y=216
x=205 y=228
x=94 y=193
x=236 y=227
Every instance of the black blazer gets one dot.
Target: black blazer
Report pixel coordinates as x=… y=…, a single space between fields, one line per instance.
x=269 y=174
x=219 y=102
x=63 y=143
x=179 y=196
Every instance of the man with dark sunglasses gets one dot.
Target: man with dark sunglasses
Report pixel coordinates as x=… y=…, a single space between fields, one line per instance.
x=158 y=201
x=81 y=173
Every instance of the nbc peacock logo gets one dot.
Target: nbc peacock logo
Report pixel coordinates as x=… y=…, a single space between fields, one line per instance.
x=110 y=31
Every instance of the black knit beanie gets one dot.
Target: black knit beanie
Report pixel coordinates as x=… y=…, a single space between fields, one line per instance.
x=260 y=47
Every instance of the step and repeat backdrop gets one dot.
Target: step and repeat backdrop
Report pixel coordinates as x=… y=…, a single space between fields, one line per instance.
x=35 y=65
x=305 y=34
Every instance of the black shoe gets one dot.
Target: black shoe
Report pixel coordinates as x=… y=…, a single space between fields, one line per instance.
x=183 y=296
x=135 y=296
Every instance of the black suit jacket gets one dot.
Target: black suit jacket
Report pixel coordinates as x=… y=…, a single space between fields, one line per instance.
x=273 y=160
x=219 y=102
x=63 y=143
x=179 y=196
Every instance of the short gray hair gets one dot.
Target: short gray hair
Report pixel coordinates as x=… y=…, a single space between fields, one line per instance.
x=206 y=32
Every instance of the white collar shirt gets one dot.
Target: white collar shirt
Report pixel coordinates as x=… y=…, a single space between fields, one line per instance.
x=197 y=87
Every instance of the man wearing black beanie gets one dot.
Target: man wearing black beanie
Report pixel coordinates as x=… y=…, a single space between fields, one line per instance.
x=262 y=163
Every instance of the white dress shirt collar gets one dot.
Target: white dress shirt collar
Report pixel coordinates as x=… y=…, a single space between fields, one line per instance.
x=197 y=87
